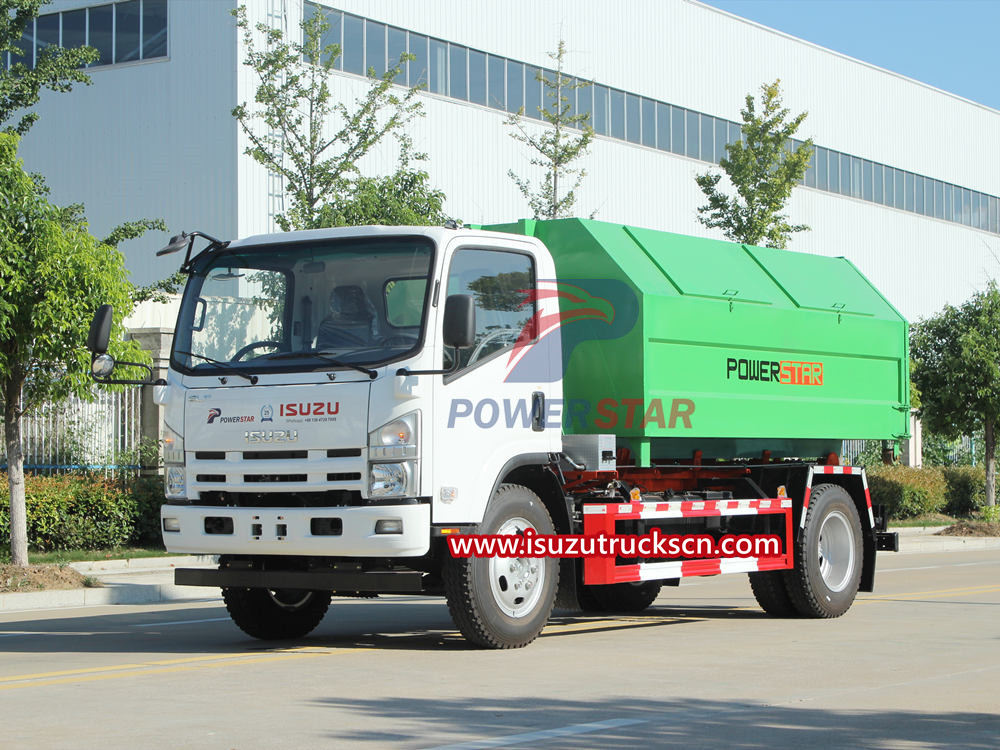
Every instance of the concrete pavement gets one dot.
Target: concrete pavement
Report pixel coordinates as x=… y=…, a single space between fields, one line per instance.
x=150 y=580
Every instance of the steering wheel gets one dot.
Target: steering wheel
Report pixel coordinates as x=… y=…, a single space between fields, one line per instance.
x=509 y=333
x=255 y=345
x=398 y=339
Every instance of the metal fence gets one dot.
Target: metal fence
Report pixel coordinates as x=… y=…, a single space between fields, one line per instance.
x=76 y=434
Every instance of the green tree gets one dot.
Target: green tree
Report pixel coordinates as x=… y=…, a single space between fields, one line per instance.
x=53 y=276
x=956 y=367
x=405 y=197
x=763 y=169
x=56 y=68
x=298 y=131
x=555 y=148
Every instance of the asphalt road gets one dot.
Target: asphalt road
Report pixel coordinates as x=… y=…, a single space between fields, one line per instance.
x=914 y=665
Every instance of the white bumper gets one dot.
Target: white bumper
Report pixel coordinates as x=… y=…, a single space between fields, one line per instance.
x=258 y=531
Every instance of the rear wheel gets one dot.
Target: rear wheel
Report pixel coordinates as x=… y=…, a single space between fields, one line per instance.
x=770 y=592
x=500 y=602
x=276 y=614
x=828 y=555
x=621 y=597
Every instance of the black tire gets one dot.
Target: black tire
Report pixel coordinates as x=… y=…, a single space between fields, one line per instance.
x=825 y=579
x=621 y=597
x=769 y=590
x=483 y=596
x=276 y=615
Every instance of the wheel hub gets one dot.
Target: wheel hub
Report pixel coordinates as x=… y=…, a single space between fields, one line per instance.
x=836 y=551
x=515 y=581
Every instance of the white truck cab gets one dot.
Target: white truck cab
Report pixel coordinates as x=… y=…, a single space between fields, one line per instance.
x=295 y=387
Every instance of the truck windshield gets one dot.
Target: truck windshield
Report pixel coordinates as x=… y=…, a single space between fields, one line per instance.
x=277 y=307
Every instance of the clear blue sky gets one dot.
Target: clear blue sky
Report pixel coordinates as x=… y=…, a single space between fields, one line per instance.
x=951 y=44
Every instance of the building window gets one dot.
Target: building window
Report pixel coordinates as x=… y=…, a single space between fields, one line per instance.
x=477 y=77
x=600 y=117
x=458 y=63
x=353 y=51
x=375 y=48
x=499 y=82
x=515 y=86
x=121 y=32
x=533 y=92
x=618 y=114
x=497 y=86
x=438 y=68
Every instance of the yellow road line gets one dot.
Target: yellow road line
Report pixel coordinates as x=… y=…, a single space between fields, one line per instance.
x=935 y=594
x=167 y=670
x=192 y=662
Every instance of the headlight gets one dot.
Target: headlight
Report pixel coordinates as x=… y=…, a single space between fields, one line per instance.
x=175 y=485
x=173 y=447
x=398 y=439
x=389 y=480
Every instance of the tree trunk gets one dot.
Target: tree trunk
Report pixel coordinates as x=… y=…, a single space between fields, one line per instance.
x=15 y=474
x=989 y=430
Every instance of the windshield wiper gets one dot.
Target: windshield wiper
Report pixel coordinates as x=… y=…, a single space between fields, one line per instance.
x=333 y=361
x=228 y=365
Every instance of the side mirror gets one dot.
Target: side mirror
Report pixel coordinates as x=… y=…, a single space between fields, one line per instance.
x=100 y=330
x=459 y=321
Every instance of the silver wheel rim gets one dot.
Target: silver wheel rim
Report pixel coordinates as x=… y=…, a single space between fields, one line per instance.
x=516 y=581
x=288 y=599
x=836 y=551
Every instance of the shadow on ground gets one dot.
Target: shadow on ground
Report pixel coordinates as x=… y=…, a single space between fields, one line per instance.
x=687 y=723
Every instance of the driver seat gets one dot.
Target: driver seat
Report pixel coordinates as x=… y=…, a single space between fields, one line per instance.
x=350 y=322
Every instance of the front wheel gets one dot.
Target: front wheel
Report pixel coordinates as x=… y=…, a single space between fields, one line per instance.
x=828 y=555
x=276 y=615
x=504 y=602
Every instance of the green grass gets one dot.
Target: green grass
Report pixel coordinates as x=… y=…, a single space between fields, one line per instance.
x=86 y=555
x=928 y=519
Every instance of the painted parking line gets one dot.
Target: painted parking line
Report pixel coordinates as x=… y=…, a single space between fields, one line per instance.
x=545 y=734
x=168 y=623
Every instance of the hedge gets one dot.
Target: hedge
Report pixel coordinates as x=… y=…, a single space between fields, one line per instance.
x=966 y=489
x=908 y=491
x=79 y=511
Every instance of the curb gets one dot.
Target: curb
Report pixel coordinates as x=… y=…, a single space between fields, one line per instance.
x=119 y=593
x=144 y=564
x=929 y=543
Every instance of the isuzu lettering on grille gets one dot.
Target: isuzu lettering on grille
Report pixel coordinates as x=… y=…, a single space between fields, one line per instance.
x=271 y=436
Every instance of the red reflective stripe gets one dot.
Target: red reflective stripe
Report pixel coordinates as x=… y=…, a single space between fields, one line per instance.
x=701 y=568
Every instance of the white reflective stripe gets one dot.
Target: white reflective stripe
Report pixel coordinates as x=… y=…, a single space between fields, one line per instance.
x=595 y=510
x=805 y=510
x=654 y=571
x=864 y=479
x=672 y=513
x=786 y=503
x=871 y=516
x=738 y=565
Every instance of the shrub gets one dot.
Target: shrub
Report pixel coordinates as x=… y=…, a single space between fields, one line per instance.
x=77 y=511
x=148 y=495
x=966 y=491
x=908 y=491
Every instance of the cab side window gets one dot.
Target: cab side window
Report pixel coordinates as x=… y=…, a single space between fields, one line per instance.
x=501 y=284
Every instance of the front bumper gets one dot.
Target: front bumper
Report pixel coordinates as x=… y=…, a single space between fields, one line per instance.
x=219 y=530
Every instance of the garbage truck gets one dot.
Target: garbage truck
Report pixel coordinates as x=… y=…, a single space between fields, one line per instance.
x=346 y=410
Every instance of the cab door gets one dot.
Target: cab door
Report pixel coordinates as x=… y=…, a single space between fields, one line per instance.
x=496 y=409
